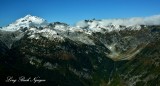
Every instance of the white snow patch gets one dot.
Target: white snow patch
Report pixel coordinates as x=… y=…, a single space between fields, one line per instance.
x=27 y=21
x=46 y=32
x=114 y=24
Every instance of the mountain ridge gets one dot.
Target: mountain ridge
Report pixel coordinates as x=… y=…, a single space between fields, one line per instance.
x=93 y=25
x=83 y=56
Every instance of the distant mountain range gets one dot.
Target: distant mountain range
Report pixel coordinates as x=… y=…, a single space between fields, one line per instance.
x=114 y=52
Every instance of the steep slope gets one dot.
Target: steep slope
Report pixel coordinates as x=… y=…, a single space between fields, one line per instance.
x=143 y=69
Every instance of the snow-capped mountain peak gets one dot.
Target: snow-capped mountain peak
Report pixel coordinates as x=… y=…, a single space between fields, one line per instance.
x=34 y=19
x=26 y=21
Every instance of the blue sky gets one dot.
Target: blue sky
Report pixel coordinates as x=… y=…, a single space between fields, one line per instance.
x=71 y=11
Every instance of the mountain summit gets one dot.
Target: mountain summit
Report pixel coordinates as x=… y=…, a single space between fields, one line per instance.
x=26 y=21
